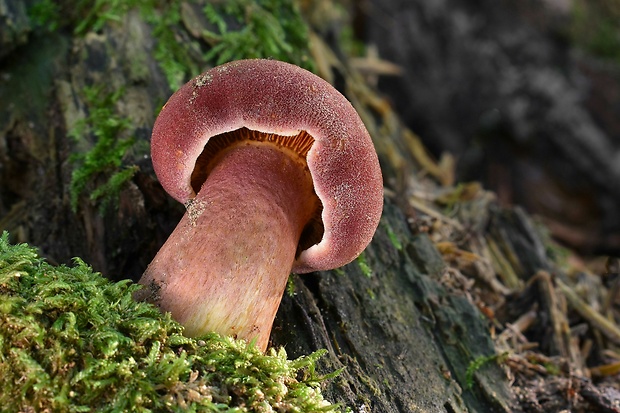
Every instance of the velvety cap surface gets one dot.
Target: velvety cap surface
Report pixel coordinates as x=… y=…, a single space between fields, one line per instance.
x=276 y=97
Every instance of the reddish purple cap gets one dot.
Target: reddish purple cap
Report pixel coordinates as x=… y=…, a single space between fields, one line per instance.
x=275 y=97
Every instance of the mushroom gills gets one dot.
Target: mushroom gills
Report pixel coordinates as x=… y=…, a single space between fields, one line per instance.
x=296 y=146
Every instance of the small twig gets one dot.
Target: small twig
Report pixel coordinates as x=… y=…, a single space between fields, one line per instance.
x=605 y=326
x=420 y=206
x=560 y=338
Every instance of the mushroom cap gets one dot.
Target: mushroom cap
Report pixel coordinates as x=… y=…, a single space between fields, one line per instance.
x=270 y=96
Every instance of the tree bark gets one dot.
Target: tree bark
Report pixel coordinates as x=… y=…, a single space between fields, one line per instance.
x=405 y=339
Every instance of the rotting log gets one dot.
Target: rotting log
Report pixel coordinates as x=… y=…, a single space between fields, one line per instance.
x=406 y=342
x=405 y=339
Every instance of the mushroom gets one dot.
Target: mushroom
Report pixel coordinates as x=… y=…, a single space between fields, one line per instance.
x=278 y=175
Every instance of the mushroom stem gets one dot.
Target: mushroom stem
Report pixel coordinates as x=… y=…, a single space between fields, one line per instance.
x=261 y=197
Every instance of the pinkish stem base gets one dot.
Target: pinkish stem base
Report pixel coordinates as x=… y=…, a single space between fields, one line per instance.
x=225 y=266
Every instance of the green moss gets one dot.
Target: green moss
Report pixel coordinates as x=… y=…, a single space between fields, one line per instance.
x=242 y=29
x=290 y=285
x=99 y=170
x=552 y=369
x=177 y=59
x=393 y=237
x=595 y=27
x=45 y=14
x=350 y=44
x=364 y=267
x=478 y=363
x=83 y=16
x=371 y=294
x=372 y=385
x=71 y=341
x=263 y=28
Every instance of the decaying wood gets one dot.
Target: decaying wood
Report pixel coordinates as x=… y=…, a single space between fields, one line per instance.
x=465 y=307
x=501 y=85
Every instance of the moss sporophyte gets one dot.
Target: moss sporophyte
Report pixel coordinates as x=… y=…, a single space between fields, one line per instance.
x=72 y=341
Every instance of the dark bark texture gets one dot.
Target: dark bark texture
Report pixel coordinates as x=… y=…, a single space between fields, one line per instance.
x=499 y=85
x=405 y=339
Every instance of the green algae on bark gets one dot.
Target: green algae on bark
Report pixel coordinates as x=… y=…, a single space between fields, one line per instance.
x=72 y=341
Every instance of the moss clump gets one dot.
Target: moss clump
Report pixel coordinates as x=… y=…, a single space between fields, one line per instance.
x=241 y=29
x=237 y=29
x=257 y=29
x=480 y=362
x=71 y=341
x=105 y=158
